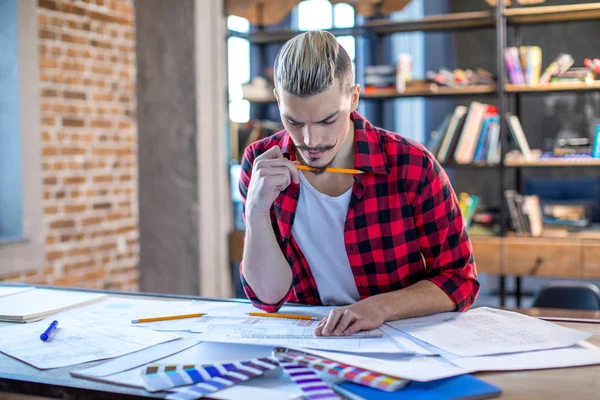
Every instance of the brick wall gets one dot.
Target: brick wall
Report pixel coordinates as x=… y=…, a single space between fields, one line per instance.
x=89 y=133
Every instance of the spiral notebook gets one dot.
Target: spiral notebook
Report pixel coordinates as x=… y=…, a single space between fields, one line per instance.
x=461 y=387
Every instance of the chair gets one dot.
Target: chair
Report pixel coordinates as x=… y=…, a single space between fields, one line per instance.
x=569 y=295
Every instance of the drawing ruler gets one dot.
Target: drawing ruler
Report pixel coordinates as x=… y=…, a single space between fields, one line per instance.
x=361 y=336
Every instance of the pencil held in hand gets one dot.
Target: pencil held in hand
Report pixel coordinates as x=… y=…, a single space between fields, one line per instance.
x=338 y=170
x=167 y=318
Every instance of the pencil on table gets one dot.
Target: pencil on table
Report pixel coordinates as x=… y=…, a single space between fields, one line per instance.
x=338 y=170
x=166 y=318
x=277 y=315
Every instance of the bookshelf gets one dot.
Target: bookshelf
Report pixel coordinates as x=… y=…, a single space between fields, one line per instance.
x=504 y=254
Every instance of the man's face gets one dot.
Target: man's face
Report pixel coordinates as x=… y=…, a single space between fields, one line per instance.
x=318 y=125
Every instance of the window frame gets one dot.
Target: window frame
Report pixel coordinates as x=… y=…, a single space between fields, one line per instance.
x=27 y=253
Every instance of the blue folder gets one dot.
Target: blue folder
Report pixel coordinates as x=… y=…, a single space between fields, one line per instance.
x=455 y=388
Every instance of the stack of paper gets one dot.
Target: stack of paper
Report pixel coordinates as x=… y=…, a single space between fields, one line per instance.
x=11 y=290
x=36 y=304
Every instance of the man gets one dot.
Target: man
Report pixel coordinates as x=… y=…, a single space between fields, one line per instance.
x=386 y=244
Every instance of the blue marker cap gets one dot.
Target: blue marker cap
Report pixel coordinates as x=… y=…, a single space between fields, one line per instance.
x=48 y=332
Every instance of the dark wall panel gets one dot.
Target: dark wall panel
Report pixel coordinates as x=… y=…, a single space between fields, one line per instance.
x=166 y=115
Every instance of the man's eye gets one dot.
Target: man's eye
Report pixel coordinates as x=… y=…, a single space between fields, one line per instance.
x=294 y=123
x=329 y=122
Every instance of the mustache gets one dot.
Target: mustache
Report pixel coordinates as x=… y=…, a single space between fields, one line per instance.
x=316 y=148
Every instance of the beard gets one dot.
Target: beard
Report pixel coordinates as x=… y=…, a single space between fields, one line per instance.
x=315 y=170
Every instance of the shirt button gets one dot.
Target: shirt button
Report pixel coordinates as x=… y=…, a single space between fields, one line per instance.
x=295 y=195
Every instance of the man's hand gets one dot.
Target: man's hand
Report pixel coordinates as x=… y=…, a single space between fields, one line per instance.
x=271 y=174
x=363 y=315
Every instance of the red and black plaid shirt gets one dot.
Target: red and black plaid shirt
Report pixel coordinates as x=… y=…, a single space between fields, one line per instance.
x=401 y=208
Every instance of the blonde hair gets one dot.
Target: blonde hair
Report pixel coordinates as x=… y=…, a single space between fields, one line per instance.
x=309 y=63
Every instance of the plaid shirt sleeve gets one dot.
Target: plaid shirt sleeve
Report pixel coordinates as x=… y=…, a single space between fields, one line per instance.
x=442 y=236
x=246 y=173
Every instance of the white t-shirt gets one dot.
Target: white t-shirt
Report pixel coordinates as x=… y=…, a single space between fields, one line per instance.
x=319 y=231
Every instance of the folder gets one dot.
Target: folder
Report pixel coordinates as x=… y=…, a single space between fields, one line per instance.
x=460 y=387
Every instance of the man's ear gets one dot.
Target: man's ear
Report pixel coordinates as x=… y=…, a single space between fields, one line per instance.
x=275 y=94
x=354 y=97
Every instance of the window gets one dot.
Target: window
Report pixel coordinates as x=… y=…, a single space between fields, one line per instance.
x=409 y=114
x=11 y=193
x=238 y=60
x=21 y=233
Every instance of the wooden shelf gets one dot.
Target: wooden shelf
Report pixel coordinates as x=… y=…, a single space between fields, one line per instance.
x=553 y=87
x=453 y=21
x=547 y=14
x=552 y=163
x=430 y=90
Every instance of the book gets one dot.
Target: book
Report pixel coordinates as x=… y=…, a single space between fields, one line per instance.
x=455 y=388
x=561 y=64
x=518 y=135
x=467 y=143
x=436 y=137
x=37 y=304
x=452 y=131
x=596 y=146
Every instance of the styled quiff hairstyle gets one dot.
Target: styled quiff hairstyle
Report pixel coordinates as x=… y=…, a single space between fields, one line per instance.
x=309 y=63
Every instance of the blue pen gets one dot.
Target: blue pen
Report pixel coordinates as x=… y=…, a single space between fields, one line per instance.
x=46 y=335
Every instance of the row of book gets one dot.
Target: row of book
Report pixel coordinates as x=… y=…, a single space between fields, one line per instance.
x=524 y=67
x=472 y=135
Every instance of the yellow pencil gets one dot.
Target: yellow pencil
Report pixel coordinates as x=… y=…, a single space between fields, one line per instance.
x=338 y=170
x=167 y=318
x=277 y=315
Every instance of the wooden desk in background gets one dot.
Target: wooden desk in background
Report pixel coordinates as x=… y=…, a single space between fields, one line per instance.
x=565 y=383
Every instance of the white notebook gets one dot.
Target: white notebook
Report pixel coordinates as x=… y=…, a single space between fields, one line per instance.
x=11 y=290
x=37 y=304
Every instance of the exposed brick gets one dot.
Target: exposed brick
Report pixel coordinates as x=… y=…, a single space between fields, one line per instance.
x=101 y=44
x=49 y=151
x=48 y=62
x=75 y=208
x=102 y=206
x=98 y=123
x=47 y=34
x=72 y=122
x=48 y=4
x=68 y=94
x=72 y=151
x=48 y=121
x=69 y=38
x=103 y=178
x=54 y=255
x=74 y=180
x=52 y=180
x=102 y=97
x=102 y=70
x=91 y=221
x=61 y=224
x=49 y=92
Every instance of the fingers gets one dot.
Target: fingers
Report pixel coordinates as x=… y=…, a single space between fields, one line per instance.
x=332 y=320
x=348 y=317
x=319 y=328
x=273 y=153
x=281 y=164
x=353 y=328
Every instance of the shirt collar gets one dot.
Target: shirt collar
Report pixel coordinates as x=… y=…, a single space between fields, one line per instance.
x=369 y=153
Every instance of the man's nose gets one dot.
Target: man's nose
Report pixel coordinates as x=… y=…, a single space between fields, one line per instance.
x=310 y=137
